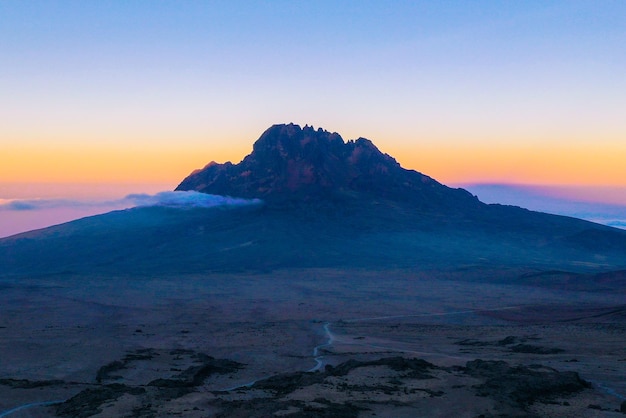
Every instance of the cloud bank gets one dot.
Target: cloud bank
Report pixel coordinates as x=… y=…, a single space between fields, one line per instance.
x=21 y=215
x=538 y=199
x=168 y=199
x=188 y=199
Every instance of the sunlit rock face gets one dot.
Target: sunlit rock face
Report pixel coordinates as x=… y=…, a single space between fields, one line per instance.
x=308 y=165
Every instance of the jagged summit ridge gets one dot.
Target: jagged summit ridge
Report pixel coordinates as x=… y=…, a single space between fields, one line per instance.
x=305 y=164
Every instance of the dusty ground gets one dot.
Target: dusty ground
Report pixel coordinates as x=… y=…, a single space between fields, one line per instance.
x=241 y=345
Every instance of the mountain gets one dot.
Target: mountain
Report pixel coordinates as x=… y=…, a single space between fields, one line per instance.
x=293 y=164
x=327 y=203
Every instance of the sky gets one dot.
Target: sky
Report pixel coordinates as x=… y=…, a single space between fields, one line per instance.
x=99 y=99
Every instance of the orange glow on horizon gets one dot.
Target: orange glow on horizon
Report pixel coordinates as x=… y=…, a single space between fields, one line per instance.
x=465 y=163
x=518 y=164
x=108 y=164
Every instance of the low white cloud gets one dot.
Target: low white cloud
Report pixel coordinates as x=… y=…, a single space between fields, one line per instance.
x=187 y=199
x=21 y=215
x=169 y=199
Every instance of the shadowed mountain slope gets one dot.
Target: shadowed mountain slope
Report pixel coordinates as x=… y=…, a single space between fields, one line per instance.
x=327 y=204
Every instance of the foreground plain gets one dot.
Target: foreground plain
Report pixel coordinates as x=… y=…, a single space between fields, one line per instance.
x=205 y=345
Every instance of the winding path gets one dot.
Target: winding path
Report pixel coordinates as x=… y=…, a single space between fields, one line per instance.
x=319 y=359
x=607 y=390
x=28 y=405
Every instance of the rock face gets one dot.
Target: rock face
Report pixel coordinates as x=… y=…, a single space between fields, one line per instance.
x=290 y=163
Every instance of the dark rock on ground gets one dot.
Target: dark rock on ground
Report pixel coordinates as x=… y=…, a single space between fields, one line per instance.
x=261 y=408
x=89 y=401
x=534 y=349
x=417 y=368
x=29 y=384
x=473 y=343
x=520 y=386
x=195 y=375
x=512 y=390
x=508 y=340
x=104 y=372
x=287 y=383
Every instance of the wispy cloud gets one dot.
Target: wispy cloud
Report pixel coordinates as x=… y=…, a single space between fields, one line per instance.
x=169 y=199
x=539 y=199
x=42 y=204
x=187 y=199
x=617 y=224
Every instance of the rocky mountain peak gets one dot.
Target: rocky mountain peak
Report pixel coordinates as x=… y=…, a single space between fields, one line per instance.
x=284 y=142
x=289 y=162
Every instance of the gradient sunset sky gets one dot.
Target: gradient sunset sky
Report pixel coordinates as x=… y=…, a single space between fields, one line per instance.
x=142 y=92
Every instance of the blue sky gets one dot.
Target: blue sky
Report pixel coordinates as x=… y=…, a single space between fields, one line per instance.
x=404 y=73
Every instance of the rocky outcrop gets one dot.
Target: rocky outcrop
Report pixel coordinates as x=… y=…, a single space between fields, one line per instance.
x=286 y=383
x=520 y=386
x=89 y=401
x=195 y=375
x=414 y=368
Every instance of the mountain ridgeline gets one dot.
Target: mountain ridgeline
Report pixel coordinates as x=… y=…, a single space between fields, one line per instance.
x=327 y=203
x=293 y=164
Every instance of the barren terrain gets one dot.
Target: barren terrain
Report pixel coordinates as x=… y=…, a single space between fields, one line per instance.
x=310 y=342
